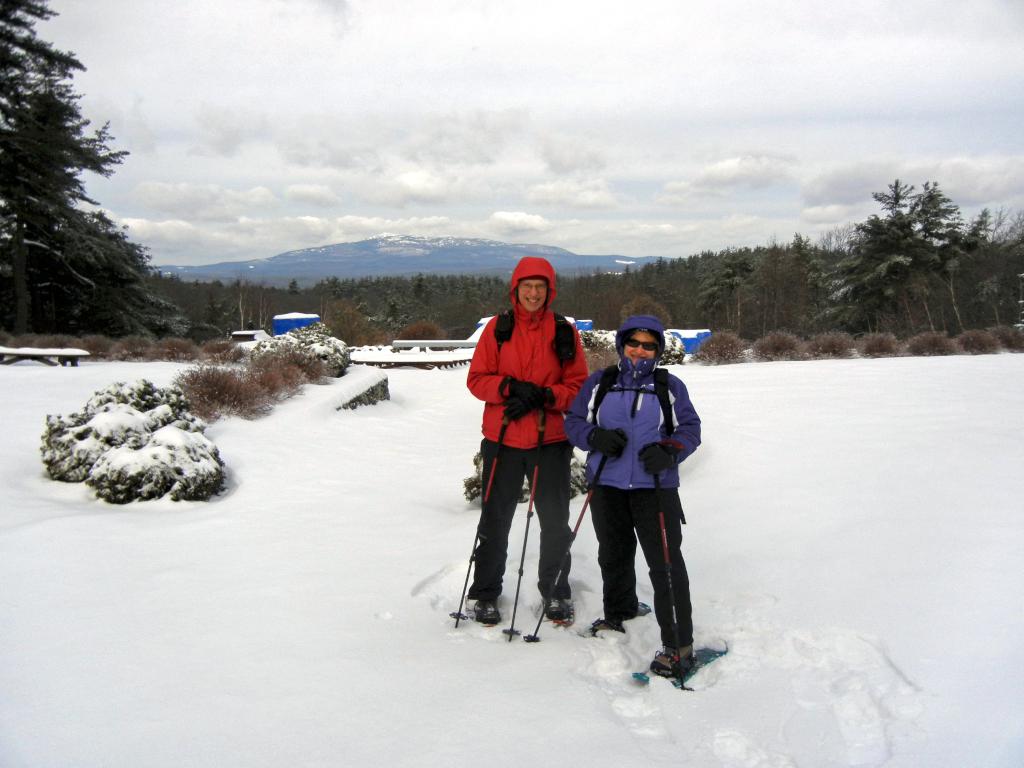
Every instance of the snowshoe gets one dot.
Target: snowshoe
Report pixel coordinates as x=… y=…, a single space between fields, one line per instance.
x=605 y=625
x=560 y=611
x=486 y=612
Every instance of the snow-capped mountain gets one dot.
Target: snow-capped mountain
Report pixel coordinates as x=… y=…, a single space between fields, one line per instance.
x=389 y=254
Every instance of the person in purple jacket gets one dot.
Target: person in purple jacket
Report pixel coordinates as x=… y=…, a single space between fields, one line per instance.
x=628 y=434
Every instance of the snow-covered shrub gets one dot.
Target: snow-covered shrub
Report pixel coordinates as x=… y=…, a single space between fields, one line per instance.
x=978 y=342
x=314 y=340
x=374 y=394
x=599 y=348
x=878 y=345
x=598 y=340
x=472 y=486
x=931 y=343
x=1009 y=337
x=778 y=345
x=832 y=344
x=675 y=352
x=126 y=437
x=721 y=348
x=174 y=462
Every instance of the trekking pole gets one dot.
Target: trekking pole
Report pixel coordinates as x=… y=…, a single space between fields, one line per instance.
x=668 y=576
x=535 y=638
x=458 y=615
x=511 y=631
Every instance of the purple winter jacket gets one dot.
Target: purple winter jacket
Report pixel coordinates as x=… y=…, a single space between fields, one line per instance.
x=643 y=426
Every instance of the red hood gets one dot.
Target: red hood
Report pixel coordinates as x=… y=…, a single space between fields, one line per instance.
x=533 y=266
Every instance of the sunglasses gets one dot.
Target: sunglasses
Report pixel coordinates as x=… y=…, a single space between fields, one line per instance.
x=649 y=346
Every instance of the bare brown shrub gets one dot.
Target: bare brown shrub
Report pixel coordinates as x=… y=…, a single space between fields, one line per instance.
x=5 y=339
x=977 y=342
x=720 y=348
x=223 y=351
x=1009 y=337
x=424 y=329
x=96 y=345
x=878 y=345
x=173 y=349
x=599 y=358
x=214 y=392
x=55 y=341
x=931 y=343
x=778 y=345
x=832 y=344
x=131 y=348
x=278 y=380
x=310 y=367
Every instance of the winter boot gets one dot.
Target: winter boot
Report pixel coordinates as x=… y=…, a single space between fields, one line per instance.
x=486 y=612
x=558 y=609
x=671 y=662
x=606 y=625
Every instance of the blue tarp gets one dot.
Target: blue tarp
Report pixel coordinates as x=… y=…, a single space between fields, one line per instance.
x=284 y=323
x=692 y=339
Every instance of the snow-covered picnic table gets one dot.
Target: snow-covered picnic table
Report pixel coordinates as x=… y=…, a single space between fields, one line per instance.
x=55 y=356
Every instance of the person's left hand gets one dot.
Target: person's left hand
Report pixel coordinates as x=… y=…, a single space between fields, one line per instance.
x=657 y=457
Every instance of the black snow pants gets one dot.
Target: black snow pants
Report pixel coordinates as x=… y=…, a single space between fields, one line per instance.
x=551 y=501
x=620 y=518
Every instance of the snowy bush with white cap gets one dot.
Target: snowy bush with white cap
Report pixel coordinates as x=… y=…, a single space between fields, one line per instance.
x=134 y=441
x=315 y=340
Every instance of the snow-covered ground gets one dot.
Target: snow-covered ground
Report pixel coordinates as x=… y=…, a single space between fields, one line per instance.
x=855 y=535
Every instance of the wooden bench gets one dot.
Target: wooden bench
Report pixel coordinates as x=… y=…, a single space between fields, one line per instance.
x=11 y=355
x=433 y=344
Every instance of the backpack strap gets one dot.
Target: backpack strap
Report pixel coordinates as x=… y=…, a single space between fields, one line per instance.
x=608 y=376
x=661 y=390
x=565 y=339
x=607 y=381
x=503 y=327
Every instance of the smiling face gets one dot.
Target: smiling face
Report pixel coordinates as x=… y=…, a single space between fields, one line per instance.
x=532 y=293
x=634 y=346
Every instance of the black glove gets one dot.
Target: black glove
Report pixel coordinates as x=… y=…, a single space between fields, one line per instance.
x=657 y=457
x=527 y=391
x=610 y=442
x=516 y=408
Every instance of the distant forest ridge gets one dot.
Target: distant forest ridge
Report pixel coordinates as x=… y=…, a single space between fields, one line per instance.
x=916 y=266
x=392 y=255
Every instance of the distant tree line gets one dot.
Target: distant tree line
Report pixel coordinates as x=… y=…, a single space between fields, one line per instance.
x=916 y=266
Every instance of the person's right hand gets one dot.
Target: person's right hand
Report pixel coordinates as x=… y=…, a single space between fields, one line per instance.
x=610 y=442
x=516 y=408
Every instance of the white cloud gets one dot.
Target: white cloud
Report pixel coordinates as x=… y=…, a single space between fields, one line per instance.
x=564 y=154
x=223 y=131
x=593 y=193
x=512 y=223
x=202 y=201
x=312 y=194
x=753 y=171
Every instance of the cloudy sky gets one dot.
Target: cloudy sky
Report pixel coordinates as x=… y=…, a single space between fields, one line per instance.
x=645 y=128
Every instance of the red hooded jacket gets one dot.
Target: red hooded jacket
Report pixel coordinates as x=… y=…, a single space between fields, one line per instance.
x=529 y=355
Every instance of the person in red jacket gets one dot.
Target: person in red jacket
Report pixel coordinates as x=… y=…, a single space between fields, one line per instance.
x=537 y=370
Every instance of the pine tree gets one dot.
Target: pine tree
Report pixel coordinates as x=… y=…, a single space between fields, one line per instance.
x=58 y=258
